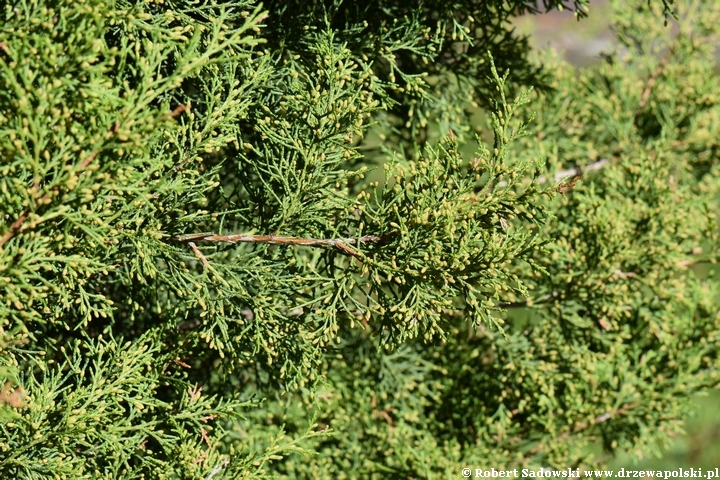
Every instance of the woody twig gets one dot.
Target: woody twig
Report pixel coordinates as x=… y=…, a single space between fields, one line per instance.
x=198 y=253
x=341 y=244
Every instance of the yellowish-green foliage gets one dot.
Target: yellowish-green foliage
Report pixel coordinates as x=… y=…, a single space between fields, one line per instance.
x=200 y=278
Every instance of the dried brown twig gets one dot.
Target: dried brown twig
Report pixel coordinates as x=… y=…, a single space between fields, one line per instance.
x=341 y=244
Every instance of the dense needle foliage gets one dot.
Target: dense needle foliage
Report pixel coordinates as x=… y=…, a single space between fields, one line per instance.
x=242 y=240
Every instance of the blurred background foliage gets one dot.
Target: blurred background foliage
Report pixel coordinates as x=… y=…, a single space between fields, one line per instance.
x=583 y=43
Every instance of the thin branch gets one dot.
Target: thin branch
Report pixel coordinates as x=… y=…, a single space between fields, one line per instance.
x=217 y=469
x=570 y=172
x=94 y=154
x=690 y=263
x=198 y=253
x=179 y=109
x=341 y=244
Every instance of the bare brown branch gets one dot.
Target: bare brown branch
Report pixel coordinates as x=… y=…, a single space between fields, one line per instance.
x=198 y=253
x=564 y=187
x=179 y=109
x=341 y=244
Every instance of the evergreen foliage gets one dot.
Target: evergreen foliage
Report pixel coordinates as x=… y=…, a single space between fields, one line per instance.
x=244 y=240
